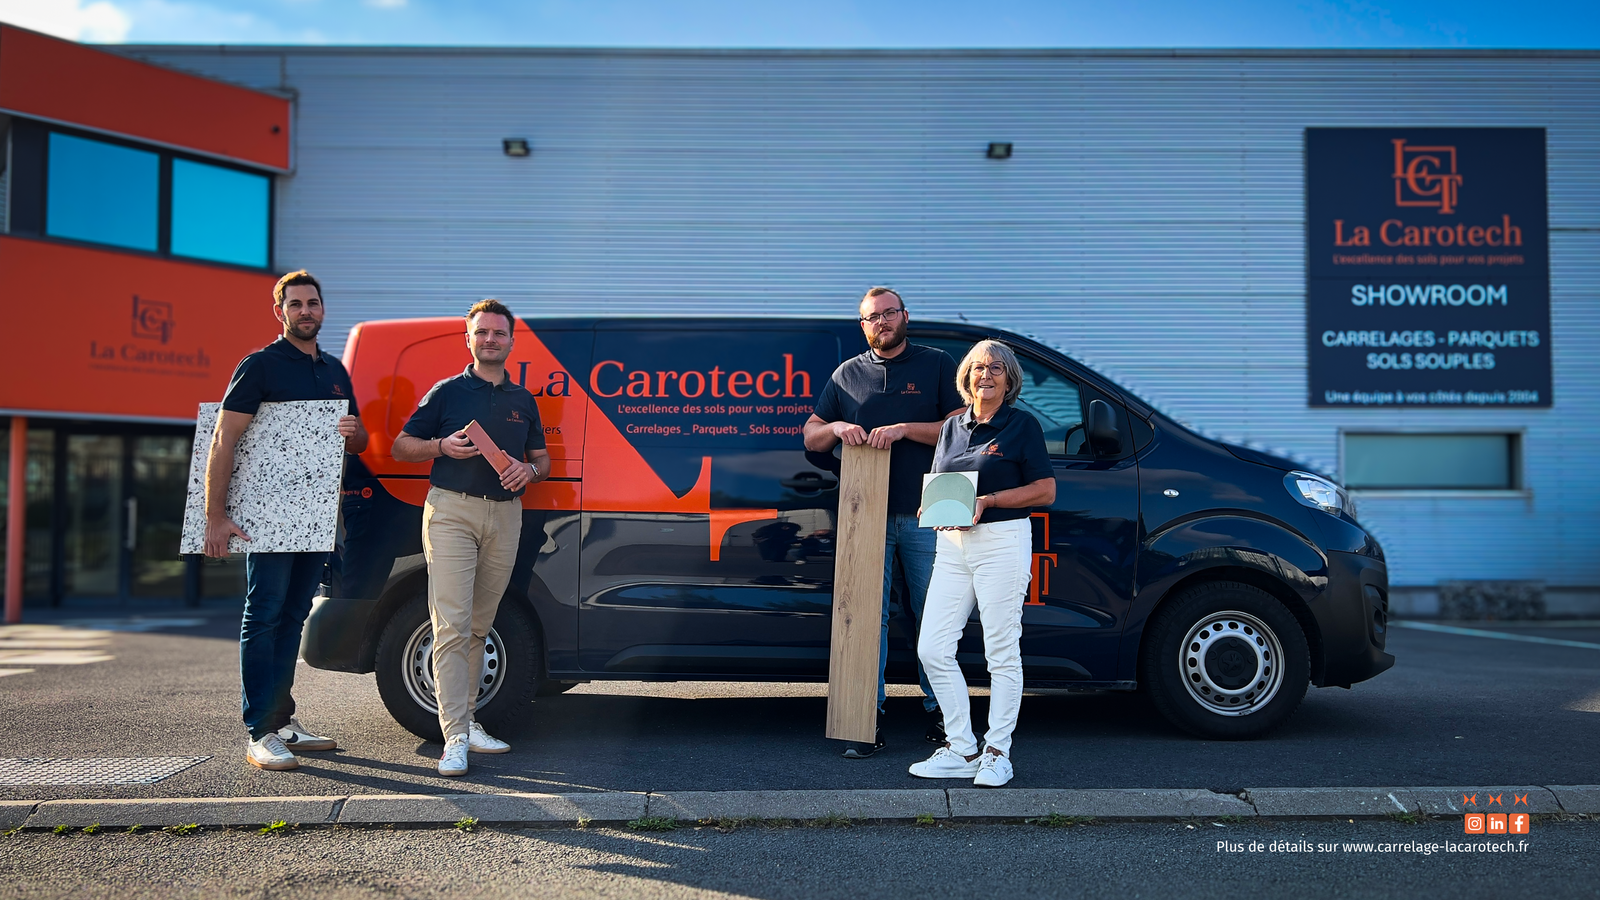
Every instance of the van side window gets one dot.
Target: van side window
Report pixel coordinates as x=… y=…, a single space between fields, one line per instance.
x=1056 y=402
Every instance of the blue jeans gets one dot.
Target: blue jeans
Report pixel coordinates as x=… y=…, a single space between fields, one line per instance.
x=277 y=599
x=916 y=548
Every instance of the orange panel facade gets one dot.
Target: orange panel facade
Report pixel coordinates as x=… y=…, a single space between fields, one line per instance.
x=58 y=80
x=108 y=333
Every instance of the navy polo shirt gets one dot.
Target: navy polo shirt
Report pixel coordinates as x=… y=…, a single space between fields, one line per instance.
x=279 y=372
x=1007 y=451
x=917 y=385
x=505 y=410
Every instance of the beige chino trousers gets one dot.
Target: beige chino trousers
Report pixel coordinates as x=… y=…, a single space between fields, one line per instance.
x=470 y=544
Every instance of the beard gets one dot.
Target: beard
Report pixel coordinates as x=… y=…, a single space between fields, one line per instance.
x=305 y=330
x=890 y=341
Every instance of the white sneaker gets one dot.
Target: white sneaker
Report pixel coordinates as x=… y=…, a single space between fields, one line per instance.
x=296 y=737
x=454 y=760
x=269 y=753
x=993 y=770
x=945 y=763
x=480 y=741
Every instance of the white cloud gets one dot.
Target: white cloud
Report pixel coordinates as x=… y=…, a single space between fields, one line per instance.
x=99 y=21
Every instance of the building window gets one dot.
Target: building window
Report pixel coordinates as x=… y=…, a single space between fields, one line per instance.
x=105 y=193
x=219 y=214
x=63 y=183
x=1432 y=462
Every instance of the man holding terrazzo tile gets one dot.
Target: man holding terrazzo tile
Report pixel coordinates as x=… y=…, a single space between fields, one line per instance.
x=472 y=520
x=278 y=586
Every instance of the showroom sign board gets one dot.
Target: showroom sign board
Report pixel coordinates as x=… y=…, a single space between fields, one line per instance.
x=1428 y=267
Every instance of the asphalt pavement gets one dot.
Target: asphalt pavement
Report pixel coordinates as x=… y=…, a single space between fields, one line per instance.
x=1198 y=859
x=1455 y=710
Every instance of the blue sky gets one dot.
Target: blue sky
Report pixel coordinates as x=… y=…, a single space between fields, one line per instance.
x=825 y=23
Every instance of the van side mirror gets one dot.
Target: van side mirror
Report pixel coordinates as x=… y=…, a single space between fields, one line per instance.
x=1104 y=436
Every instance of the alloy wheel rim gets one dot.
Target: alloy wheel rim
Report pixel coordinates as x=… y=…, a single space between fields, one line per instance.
x=1231 y=663
x=417 y=667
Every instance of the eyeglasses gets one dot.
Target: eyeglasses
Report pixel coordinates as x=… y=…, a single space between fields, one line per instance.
x=994 y=369
x=887 y=315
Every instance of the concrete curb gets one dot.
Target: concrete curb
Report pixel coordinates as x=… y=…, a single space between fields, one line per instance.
x=964 y=804
x=1106 y=805
x=692 y=806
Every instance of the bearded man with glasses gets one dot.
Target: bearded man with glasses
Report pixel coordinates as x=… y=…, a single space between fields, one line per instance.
x=893 y=397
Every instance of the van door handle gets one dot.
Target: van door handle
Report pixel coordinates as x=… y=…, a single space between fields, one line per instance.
x=805 y=481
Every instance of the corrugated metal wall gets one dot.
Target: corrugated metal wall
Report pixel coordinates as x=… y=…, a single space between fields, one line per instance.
x=1151 y=222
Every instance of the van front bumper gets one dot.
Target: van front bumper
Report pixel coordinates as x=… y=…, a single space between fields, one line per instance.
x=1353 y=616
x=335 y=635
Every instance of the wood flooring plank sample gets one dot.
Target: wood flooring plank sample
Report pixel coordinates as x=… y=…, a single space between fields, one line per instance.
x=858 y=594
x=287 y=469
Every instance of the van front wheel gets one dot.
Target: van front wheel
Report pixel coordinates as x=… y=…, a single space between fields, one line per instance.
x=1225 y=660
x=506 y=684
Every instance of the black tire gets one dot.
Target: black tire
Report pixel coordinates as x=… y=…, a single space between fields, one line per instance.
x=549 y=688
x=404 y=683
x=1234 y=682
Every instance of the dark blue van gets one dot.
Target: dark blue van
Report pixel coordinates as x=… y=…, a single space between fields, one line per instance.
x=686 y=533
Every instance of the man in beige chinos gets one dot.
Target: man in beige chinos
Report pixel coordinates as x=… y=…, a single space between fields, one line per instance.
x=472 y=521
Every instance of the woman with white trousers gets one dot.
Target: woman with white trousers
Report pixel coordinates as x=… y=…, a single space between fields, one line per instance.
x=987 y=564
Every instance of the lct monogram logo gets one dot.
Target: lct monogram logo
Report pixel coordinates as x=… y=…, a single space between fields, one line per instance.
x=152 y=319
x=1426 y=176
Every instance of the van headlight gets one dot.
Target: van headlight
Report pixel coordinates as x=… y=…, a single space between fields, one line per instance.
x=1318 y=492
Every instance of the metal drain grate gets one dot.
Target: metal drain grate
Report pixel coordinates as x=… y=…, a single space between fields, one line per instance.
x=97 y=770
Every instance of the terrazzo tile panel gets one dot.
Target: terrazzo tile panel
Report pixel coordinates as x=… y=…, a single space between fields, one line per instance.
x=286 y=475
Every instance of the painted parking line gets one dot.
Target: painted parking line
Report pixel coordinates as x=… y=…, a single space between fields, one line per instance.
x=50 y=645
x=1496 y=635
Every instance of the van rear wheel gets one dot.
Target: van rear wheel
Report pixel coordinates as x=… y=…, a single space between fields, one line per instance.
x=506 y=685
x=1225 y=660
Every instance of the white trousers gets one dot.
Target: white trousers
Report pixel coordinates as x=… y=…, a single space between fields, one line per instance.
x=988 y=566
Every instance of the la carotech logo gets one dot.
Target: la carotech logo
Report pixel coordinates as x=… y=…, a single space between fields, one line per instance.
x=1426 y=177
x=611 y=378
x=1494 y=800
x=516 y=416
x=152 y=319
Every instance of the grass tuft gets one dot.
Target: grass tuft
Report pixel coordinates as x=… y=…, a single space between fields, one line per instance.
x=1057 y=820
x=466 y=823
x=924 y=818
x=583 y=821
x=278 y=827
x=135 y=829
x=1408 y=817
x=188 y=828
x=61 y=829
x=654 y=823
x=11 y=832
x=92 y=828
x=830 y=820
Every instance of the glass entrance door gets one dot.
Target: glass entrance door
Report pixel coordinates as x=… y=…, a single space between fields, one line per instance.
x=122 y=515
x=95 y=513
x=159 y=486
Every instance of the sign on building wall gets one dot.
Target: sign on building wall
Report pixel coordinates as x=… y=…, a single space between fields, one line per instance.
x=1428 y=267
x=125 y=335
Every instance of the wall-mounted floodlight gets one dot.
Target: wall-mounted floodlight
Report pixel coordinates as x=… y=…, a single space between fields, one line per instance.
x=519 y=146
x=996 y=150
